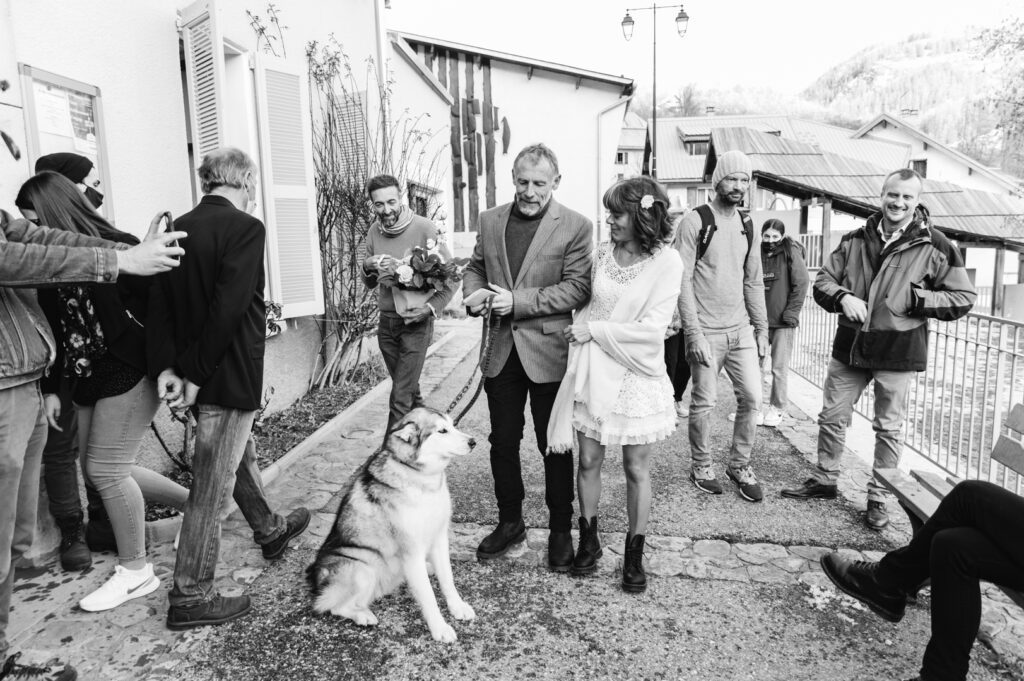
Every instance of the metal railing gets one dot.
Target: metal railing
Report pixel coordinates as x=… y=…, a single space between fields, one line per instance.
x=956 y=407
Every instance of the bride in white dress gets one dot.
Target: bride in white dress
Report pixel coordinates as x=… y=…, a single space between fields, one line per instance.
x=616 y=390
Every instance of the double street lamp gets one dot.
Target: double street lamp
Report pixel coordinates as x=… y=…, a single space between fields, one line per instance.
x=682 y=20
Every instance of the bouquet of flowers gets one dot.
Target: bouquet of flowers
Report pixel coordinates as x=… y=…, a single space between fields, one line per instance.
x=421 y=273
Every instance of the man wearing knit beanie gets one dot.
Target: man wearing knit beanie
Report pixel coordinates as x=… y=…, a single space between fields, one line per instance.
x=722 y=308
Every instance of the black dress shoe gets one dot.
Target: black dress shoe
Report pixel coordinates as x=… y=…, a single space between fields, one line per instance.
x=859 y=578
x=296 y=523
x=498 y=542
x=560 y=551
x=811 y=489
x=218 y=610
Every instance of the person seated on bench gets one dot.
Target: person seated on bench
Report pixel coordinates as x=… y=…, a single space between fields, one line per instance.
x=975 y=534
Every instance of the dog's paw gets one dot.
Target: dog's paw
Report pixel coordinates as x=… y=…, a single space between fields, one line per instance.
x=461 y=610
x=444 y=633
x=363 y=618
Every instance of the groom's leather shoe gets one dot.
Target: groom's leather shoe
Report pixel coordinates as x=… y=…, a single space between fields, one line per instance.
x=560 y=551
x=498 y=542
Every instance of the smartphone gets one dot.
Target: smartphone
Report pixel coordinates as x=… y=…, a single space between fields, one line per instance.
x=166 y=216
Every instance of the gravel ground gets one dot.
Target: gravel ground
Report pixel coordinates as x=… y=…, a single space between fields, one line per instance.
x=533 y=624
x=678 y=508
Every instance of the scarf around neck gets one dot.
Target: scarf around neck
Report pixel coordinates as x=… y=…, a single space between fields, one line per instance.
x=404 y=220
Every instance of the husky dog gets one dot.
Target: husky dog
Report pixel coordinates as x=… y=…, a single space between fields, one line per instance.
x=392 y=520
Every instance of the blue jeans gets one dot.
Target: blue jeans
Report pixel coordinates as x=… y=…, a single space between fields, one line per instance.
x=22 y=436
x=781 y=341
x=843 y=387
x=224 y=465
x=404 y=348
x=110 y=433
x=735 y=351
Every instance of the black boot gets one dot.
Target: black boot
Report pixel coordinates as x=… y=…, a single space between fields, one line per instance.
x=505 y=536
x=99 y=533
x=634 y=579
x=74 y=554
x=585 y=560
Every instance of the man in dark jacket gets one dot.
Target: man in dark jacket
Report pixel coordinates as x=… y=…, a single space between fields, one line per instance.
x=31 y=257
x=206 y=333
x=885 y=280
x=785 y=287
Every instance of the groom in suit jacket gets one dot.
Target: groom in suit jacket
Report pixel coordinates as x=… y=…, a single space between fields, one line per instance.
x=537 y=255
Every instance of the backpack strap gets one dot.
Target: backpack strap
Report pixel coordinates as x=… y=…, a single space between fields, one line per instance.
x=748 y=231
x=708 y=229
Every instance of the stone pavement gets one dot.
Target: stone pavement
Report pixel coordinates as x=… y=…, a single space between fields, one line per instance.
x=131 y=641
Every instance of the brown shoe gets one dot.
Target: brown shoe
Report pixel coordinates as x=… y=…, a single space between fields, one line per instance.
x=810 y=489
x=295 y=524
x=877 y=517
x=218 y=610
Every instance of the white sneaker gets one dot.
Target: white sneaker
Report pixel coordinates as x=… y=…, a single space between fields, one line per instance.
x=773 y=418
x=681 y=410
x=760 y=418
x=123 y=586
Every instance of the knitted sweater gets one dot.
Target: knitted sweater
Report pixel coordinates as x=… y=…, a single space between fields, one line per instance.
x=416 y=234
x=724 y=291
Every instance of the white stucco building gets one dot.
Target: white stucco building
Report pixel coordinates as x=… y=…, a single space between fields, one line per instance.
x=146 y=87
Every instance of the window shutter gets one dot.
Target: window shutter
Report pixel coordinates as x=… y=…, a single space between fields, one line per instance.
x=204 y=78
x=289 y=194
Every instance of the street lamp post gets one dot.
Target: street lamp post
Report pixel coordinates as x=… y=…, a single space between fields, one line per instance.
x=682 y=20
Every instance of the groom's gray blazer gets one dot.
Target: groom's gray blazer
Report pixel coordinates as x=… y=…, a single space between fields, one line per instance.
x=553 y=281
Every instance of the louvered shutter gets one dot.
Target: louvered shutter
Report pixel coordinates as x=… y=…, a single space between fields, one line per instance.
x=286 y=168
x=204 y=78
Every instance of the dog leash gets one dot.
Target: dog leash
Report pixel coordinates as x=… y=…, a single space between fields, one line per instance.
x=489 y=331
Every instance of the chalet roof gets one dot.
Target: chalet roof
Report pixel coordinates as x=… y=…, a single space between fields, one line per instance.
x=1011 y=183
x=800 y=170
x=418 y=40
x=675 y=164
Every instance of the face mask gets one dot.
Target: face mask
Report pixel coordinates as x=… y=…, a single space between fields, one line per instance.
x=95 y=197
x=768 y=248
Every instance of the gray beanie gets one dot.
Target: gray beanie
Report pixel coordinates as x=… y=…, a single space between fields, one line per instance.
x=730 y=162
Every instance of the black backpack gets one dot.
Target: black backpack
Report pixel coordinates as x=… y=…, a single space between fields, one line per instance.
x=708 y=229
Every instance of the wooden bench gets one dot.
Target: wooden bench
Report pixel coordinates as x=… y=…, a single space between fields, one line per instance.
x=920 y=492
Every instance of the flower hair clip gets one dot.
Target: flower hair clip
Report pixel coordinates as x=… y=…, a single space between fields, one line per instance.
x=646 y=201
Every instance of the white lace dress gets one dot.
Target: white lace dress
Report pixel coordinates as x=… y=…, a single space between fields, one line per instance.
x=644 y=411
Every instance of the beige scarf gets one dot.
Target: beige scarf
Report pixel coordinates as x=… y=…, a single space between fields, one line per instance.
x=404 y=220
x=632 y=339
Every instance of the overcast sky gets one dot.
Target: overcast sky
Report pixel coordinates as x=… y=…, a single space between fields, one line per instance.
x=784 y=44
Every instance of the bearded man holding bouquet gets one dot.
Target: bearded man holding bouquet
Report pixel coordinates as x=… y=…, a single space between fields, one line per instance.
x=406 y=315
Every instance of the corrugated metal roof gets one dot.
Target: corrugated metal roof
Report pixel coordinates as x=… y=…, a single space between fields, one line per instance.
x=820 y=136
x=951 y=206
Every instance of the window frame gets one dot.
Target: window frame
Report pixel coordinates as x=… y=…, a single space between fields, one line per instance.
x=29 y=75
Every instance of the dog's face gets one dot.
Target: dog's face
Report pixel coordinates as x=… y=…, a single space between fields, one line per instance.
x=427 y=440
